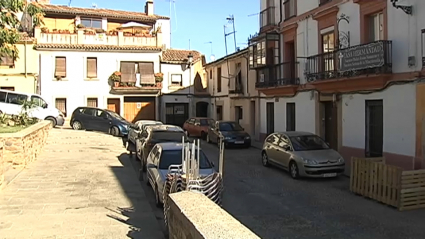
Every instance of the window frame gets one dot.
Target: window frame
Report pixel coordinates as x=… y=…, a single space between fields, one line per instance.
x=95 y=74
x=91 y=22
x=176 y=83
x=56 y=75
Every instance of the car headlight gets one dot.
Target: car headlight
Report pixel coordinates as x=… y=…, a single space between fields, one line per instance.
x=309 y=161
x=341 y=160
x=247 y=137
x=227 y=138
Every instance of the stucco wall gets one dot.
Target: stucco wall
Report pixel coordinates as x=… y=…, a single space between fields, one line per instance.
x=187 y=220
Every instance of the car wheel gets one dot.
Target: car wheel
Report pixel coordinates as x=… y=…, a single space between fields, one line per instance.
x=203 y=135
x=293 y=170
x=157 y=200
x=265 y=159
x=76 y=125
x=115 y=131
x=52 y=121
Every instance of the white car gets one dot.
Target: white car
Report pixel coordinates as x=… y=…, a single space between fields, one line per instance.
x=137 y=128
x=11 y=103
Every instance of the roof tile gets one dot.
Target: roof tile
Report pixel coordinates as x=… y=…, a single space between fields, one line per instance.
x=179 y=56
x=96 y=47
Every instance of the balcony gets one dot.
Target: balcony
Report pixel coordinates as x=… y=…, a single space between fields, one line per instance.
x=82 y=37
x=281 y=75
x=267 y=18
x=290 y=9
x=366 y=59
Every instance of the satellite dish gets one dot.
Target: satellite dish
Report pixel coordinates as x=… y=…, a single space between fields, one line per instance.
x=212 y=58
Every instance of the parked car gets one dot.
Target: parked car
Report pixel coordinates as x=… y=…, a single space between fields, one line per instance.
x=198 y=127
x=90 y=118
x=157 y=134
x=11 y=103
x=159 y=160
x=231 y=132
x=136 y=128
x=302 y=154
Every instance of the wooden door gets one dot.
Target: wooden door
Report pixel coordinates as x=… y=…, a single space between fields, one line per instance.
x=331 y=124
x=114 y=105
x=134 y=111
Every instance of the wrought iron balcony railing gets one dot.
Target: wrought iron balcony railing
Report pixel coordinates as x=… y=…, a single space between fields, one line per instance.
x=369 y=58
x=282 y=74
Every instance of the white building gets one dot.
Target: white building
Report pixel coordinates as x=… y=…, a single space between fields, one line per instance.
x=80 y=48
x=348 y=70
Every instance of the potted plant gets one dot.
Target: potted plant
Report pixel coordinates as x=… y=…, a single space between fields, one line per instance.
x=138 y=34
x=80 y=26
x=44 y=30
x=99 y=30
x=115 y=77
x=159 y=77
x=55 y=30
x=128 y=34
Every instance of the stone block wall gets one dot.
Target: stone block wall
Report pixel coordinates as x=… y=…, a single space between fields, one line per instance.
x=194 y=216
x=23 y=147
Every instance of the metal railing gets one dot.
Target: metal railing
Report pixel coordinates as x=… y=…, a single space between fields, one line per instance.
x=282 y=74
x=370 y=58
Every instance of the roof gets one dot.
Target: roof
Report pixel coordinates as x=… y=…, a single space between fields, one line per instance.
x=172 y=146
x=296 y=133
x=99 y=12
x=83 y=47
x=228 y=57
x=179 y=56
x=165 y=127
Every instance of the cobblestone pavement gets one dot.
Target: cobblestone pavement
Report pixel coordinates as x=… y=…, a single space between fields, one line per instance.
x=273 y=205
x=80 y=187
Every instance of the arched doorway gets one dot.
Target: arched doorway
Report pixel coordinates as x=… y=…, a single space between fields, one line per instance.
x=202 y=109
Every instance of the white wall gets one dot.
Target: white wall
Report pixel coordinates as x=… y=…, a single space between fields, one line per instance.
x=165 y=28
x=74 y=87
x=304 y=113
x=169 y=69
x=399 y=106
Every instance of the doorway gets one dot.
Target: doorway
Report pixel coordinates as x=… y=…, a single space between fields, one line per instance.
x=270 y=117
x=202 y=109
x=252 y=120
x=289 y=70
x=329 y=116
x=176 y=113
x=374 y=128
x=219 y=112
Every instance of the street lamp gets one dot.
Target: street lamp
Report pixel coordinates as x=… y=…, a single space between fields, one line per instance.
x=189 y=66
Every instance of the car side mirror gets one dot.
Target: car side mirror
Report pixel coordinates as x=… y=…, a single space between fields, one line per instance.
x=45 y=105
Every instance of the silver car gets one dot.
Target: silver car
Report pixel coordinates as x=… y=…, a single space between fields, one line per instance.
x=137 y=127
x=159 y=160
x=302 y=154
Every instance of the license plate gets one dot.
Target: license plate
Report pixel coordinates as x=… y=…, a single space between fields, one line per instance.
x=329 y=175
x=239 y=142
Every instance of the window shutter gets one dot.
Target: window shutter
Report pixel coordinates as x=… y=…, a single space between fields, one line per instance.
x=60 y=104
x=128 y=72
x=60 y=67
x=92 y=102
x=147 y=75
x=91 y=67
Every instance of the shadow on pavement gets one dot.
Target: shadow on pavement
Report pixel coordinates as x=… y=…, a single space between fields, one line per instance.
x=141 y=219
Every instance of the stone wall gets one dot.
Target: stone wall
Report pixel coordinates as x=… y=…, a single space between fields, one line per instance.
x=23 y=147
x=194 y=216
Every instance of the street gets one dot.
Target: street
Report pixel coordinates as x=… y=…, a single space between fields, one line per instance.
x=273 y=205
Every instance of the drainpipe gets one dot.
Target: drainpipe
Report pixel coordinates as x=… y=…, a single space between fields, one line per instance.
x=25 y=58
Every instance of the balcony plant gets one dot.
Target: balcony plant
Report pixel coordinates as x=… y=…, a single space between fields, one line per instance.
x=159 y=77
x=44 y=30
x=99 y=30
x=138 y=34
x=112 y=33
x=115 y=78
x=128 y=34
x=55 y=30
x=89 y=32
x=79 y=26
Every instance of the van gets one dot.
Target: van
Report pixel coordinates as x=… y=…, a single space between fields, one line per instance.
x=11 y=104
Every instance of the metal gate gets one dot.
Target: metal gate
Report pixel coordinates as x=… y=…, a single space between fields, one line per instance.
x=176 y=113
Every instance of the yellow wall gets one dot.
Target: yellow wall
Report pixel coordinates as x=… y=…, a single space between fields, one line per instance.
x=59 y=24
x=15 y=77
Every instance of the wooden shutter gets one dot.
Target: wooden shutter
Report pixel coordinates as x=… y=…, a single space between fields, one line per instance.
x=7 y=61
x=92 y=67
x=128 y=72
x=92 y=102
x=60 y=104
x=147 y=75
x=60 y=67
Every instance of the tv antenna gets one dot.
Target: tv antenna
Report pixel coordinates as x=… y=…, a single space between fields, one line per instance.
x=212 y=56
x=254 y=14
x=94 y=5
x=173 y=3
x=230 y=20
x=69 y=3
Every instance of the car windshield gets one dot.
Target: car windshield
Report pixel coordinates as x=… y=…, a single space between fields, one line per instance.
x=174 y=157
x=206 y=122
x=230 y=126
x=308 y=142
x=168 y=136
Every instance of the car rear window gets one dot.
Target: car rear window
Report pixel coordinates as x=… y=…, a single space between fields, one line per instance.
x=174 y=157
x=3 y=96
x=206 y=122
x=16 y=99
x=168 y=136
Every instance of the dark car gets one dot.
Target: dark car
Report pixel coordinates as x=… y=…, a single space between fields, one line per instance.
x=95 y=119
x=231 y=132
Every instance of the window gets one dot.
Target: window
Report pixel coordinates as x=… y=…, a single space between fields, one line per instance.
x=289 y=8
x=7 y=61
x=238 y=113
x=60 y=67
x=146 y=71
x=273 y=139
x=176 y=79
x=17 y=99
x=91 y=67
x=168 y=136
x=11 y=88
x=283 y=142
x=101 y=114
x=328 y=45
x=91 y=23
x=219 y=112
x=210 y=74
x=308 y=142
x=3 y=96
x=133 y=71
x=376 y=27
x=191 y=121
x=374 y=128
x=60 y=104
x=206 y=122
x=89 y=111
x=38 y=101
x=92 y=102
x=229 y=126
x=174 y=157
x=290 y=116
x=219 y=79
x=324 y=2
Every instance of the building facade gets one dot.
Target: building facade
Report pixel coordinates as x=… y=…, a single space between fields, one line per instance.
x=347 y=70
x=102 y=58
x=20 y=74
x=232 y=86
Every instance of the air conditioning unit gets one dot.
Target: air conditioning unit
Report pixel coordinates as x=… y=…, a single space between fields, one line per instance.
x=261 y=77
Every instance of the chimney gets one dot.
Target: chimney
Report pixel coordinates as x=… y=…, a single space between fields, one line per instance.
x=43 y=1
x=149 y=7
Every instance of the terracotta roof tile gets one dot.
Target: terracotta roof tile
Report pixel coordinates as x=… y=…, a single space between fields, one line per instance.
x=96 y=47
x=179 y=56
x=99 y=12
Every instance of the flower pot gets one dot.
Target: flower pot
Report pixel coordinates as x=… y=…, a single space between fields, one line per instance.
x=116 y=84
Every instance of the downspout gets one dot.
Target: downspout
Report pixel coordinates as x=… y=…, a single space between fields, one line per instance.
x=25 y=58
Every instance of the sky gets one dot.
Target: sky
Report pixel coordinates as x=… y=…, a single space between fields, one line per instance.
x=195 y=21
